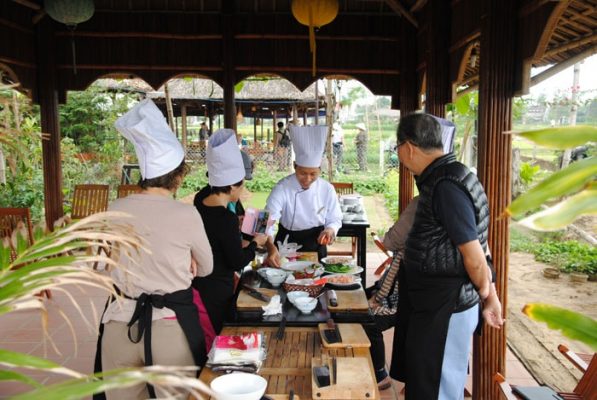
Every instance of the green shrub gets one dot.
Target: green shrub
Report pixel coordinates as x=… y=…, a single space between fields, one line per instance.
x=569 y=256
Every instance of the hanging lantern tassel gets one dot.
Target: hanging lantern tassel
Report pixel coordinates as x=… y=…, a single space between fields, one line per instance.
x=314 y=14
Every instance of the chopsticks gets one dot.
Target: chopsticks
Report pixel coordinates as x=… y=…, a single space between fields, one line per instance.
x=281 y=328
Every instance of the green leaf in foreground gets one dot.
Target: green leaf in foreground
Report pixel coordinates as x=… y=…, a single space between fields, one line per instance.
x=572 y=324
x=564 y=137
x=564 y=213
x=566 y=181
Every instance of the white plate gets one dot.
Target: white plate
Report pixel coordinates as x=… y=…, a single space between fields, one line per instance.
x=296 y=265
x=352 y=271
x=354 y=280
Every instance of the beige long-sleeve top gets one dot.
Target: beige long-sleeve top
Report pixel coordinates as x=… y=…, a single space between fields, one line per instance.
x=173 y=232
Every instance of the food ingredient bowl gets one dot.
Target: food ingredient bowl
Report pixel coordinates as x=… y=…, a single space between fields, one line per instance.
x=292 y=296
x=305 y=304
x=275 y=277
x=239 y=386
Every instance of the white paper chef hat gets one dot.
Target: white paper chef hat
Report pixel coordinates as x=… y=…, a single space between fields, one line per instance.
x=158 y=150
x=308 y=143
x=448 y=133
x=224 y=161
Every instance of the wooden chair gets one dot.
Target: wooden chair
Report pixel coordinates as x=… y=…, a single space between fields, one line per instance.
x=89 y=199
x=387 y=252
x=579 y=360
x=125 y=190
x=586 y=389
x=11 y=220
x=345 y=188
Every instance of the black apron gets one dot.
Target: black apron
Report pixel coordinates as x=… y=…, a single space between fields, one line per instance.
x=307 y=238
x=181 y=302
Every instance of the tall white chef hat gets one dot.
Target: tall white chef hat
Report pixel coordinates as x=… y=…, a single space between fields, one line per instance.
x=158 y=150
x=224 y=161
x=308 y=143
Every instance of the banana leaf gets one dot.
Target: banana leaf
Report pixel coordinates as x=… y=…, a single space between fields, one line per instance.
x=16 y=359
x=15 y=376
x=563 y=182
x=572 y=324
x=564 y=137
x=564 y=213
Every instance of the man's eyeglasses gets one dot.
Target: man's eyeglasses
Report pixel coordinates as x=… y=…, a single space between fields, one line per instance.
x=400 y=144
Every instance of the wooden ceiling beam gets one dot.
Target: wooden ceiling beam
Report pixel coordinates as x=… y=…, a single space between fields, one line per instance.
x=574 y=24
x=273 y=36
x=142 y=35
x=531 y=6
x=572 y=44
x=550 y=27
x=142 y=67
x=577 y=15
x=548 y=73
x=29 y=4
x=248 y=36
x=418 y=5
x=401 y=10
x=340 y=71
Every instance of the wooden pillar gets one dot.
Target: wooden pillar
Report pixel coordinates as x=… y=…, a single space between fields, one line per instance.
x=183 y=117
x=498 y=33
x=229 y=81
x=47 y=97
x=210 y=110
x=409 y=95
x=437 y=57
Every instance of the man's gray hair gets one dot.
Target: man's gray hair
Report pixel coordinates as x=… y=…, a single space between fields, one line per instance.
x=422 y=130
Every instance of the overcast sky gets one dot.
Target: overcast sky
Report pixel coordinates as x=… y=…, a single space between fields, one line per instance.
x=563 y=80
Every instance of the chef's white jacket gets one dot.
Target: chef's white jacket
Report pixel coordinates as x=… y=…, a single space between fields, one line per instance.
x=298 y=209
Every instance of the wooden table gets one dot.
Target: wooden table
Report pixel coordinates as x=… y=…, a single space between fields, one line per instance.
x=288 y=363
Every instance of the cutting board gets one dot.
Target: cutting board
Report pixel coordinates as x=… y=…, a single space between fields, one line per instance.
x=246 y=302
x=308 y=256
x=350 y=300
x=354 y=380
x=353 y=335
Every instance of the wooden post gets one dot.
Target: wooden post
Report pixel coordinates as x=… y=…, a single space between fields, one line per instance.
x=496 y=82
x=437 y=58
x=47 y=97
x=409 y=94
x=228 y=62
x=183 y=117
x=169 y=110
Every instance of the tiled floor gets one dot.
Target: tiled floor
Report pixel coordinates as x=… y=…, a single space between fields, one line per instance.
x=22 y=332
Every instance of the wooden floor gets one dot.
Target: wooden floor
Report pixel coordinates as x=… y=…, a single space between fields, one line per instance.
x=22 y=332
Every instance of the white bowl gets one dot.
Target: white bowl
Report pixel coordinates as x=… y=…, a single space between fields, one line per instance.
x=275 y=277
x=305 y=304
x=296 y=265
x=347 y=260
x=292 y=296
x=239 y=386
x=348 y=217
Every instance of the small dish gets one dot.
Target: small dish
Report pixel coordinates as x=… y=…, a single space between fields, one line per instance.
x=275 y=277
x=292 y=296
x=305 y=304
x=239 y=386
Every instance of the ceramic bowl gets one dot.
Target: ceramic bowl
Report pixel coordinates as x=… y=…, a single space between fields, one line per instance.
x=239 y=386
x=350 y=200
x=305 y=304
x=292 y=296
x=275 y=277
x=348 y=217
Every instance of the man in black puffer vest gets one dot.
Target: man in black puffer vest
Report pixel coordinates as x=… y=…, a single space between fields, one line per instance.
x=445 y=273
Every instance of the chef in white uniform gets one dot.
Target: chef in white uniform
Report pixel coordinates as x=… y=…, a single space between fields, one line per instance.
x=305 y=205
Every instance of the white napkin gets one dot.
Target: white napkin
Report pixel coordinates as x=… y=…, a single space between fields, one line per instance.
x=273 y=307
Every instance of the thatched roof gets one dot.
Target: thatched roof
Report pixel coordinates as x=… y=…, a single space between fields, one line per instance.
x=265 y=89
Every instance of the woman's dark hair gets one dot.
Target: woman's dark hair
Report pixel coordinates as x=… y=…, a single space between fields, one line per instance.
x=168 y=181
x=225 y=189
